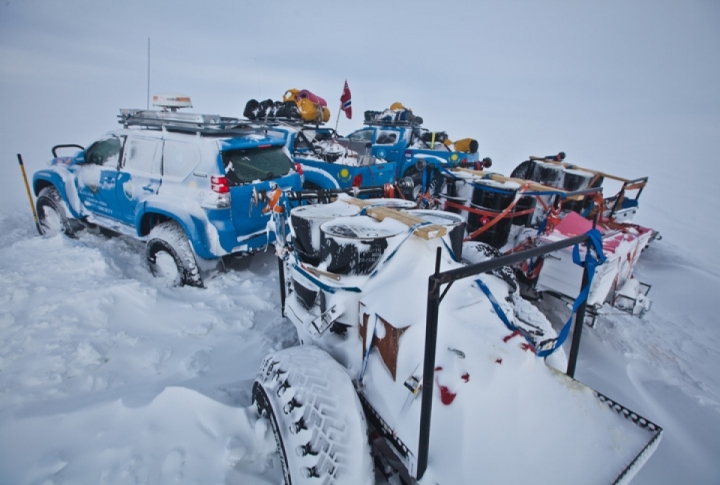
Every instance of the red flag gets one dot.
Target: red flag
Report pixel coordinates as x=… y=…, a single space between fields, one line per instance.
x=346 y=102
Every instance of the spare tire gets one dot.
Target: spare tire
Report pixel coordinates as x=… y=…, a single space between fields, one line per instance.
x=316 y=417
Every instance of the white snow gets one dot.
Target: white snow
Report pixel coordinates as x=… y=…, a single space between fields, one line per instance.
x=107 y=376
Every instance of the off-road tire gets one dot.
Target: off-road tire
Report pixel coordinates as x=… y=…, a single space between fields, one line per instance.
x=52 y=216
x=316 y=417
x=168 y=240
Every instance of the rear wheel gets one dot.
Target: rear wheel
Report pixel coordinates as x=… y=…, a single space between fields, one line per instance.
x=316 y=417
x=170 y=256
x=52 y=215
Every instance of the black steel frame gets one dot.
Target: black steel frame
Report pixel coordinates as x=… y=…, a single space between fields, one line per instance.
x=435 y=282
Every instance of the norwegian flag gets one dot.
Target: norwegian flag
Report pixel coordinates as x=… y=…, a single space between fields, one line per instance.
x=346 y=101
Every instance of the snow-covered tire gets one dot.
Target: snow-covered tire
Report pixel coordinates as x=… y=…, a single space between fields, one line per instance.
x=170 y=256
x=52 y=215
x=316 y=417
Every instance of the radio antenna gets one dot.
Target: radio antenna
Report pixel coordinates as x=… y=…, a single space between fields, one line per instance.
x=148 y=76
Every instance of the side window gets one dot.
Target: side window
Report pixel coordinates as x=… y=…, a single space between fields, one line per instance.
x=301 y=142
x=362 y=135
x=179 y=158
x=105 y=152
x=385 y=137
x=143 y=155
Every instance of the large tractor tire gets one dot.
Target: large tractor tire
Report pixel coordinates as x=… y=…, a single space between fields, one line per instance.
x=316 y=417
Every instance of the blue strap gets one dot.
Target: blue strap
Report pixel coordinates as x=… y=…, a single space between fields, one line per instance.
x=323 y=286
x=500 y=313
x=594 y=242
x=369 y=339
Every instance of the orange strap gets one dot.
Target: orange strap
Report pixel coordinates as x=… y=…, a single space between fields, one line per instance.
x=272 y=202
x=492 y=222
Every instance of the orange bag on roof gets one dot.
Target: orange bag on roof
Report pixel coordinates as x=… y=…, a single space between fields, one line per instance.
x=310 y=111
x=290 y=95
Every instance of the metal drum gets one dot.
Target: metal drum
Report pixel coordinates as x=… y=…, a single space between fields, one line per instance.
x=305 y=224
x=454 y=223
x=548 y=174
x=355 y=245
x=576 y=180
x=492 y=197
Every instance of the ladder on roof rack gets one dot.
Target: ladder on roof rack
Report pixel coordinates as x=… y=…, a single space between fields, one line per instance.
x=186 y=122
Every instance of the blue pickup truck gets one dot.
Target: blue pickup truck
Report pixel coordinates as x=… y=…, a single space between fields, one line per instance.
x=330 y=162
x=403 y=141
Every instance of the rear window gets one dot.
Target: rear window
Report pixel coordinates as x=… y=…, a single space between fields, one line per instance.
x=256 y=164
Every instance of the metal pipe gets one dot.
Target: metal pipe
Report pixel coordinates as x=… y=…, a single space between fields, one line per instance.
x=431 y=327
x=281 y=276
x=491 y=264
x=577 y=329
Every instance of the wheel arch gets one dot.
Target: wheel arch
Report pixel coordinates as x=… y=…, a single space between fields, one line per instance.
x=193 y=227
x=321 y=178
x=51 y=178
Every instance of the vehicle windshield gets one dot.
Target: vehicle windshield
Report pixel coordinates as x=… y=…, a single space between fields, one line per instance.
x=256 y=164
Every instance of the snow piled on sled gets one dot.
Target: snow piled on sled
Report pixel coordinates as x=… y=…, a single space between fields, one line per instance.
x=494 y=399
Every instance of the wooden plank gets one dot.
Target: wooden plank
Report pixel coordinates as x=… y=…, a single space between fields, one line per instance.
x=501 y=178
x=576 y=167
x=428 y=231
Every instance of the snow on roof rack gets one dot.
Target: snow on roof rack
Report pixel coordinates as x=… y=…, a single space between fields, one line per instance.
x=186 y=122
x=393 y=123
x=392 y=118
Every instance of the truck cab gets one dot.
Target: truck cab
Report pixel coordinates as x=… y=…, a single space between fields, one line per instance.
x=331 y=162
x=401 y=139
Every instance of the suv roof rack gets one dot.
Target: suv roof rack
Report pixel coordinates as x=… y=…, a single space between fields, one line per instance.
x=274 y=121
x=186 y=122
x=415 y=124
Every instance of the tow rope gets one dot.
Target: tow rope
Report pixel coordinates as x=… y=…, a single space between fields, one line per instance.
x=547 y=347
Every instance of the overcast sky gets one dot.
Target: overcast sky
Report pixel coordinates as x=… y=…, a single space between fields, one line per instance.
x=621 y=85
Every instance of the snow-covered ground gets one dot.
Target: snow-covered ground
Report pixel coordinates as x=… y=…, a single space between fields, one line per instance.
x=106 y=376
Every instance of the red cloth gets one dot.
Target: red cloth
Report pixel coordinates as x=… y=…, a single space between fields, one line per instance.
x=346 y=102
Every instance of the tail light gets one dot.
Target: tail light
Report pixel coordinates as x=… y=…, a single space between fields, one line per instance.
x=298 y=168
x=357 y=181
x=219 y=185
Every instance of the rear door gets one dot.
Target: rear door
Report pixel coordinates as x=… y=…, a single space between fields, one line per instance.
x=255 y=168
x=140 y=174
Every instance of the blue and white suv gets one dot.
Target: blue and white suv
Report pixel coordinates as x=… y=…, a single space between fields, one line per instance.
x=183 y=182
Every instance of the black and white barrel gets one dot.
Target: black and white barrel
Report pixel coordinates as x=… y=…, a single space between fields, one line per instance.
x=549 y=174
x=454 y=223
x=492 y=197
x=305 y=224
x=576 y=180
x=355 y=245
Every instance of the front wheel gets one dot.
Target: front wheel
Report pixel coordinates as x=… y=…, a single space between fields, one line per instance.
x=52 y=215
x=170 y=256
x=316 y=417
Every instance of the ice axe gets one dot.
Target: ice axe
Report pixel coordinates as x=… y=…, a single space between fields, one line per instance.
x=27 y=189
